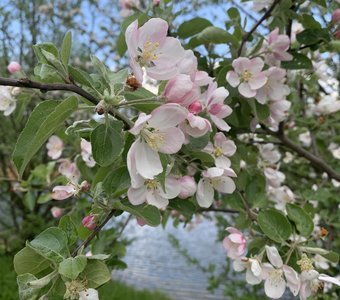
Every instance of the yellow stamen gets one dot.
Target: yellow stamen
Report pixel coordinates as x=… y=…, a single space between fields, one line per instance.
x=151 y=184
x=148 y=54
x=218 y=152
x=305 y=263
x=247 y=75
x=154 y=139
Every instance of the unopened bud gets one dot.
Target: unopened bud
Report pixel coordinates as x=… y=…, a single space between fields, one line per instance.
x=195 y=107
x=14 y=67
x=89 y=222
x=336 y=16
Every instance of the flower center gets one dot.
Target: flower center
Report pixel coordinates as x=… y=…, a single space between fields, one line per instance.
x=154 y=139
x=148 y=53
x=246 y=76
x=151 y=184
x=275 y=276
x=305 y=263
x=218 y=152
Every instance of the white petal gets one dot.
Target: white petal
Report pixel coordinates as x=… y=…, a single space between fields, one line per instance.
x=293 y=280
x=139 y=124
x=329 y=279
x=155 y=199
x=274 y=256
x=137 y=196
x=251 y=278
x=274 y=287
x=224 y=185
x=205 y=193
x=173 y=140
x=167 y=116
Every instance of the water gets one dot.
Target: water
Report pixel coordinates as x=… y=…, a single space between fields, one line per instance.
x=153 y=263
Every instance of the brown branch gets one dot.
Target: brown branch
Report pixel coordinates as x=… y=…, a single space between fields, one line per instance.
x=222 y=210
x=94 y=233
x=26 y=83
x=316 y=162
x=258 y=23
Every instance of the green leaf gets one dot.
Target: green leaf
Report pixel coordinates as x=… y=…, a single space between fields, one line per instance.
x=51 y=244
x=96 y=273
x=107 y=142
x=185 y=207
x=117 y=182
x=72 y=266
x=309 y=22
x=80 y=76
x=67 y=225
x=200 y=142
x=299 y=61
x=29 y=201
x=47 y=74
x=29 y=261
x=260 y=111
x=303 y=221
x=66 y=47
x=274 y=225
x=332 y=257
x=149 y=213
x=216 y=35
x=42 y=123
x=26 y=292
x=313 y=36
x=192 y=27
x=44 y=198
x=49 y=47
x=54 y=62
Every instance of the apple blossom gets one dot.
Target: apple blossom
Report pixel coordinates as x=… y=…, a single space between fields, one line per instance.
x=269 y=153
x=151 y=192
x=195 y=126
x=149 y=47
x=274 y=89
x=180 y=89
x=89 y=294
x=247 y=75
x=278 y=112
x=7 y=102
x=253 y=269
x=277 y=275
x=335 y=150
x=281 y=196
x=305 y=138
x=55 y=147
x=276 y=48
x=14 y=67
x=214 y=178
x=274 y=177
x=327 y=105
x=188 y=187
x=156 y=132
x=221 y=150
x=235 y=243
x=62 y=192
x=336 y=16
x=86 y=153
x=127 y=7
x=56 y=212
x=69 y=170
x=213 y=102
x=89 y=222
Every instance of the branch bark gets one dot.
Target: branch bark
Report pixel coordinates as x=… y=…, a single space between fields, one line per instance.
x=258 y=23
x=70 y=87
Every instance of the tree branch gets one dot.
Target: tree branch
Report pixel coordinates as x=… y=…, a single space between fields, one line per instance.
x=26 y=83
x=94 y=233
x=258 y=23
x=316 y=162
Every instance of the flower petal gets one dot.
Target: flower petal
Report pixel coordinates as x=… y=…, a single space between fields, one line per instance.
x=205 y=193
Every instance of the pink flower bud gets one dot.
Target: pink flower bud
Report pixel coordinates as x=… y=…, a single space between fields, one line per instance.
x=56 y=212
x=89 y=222
x=188 y=187
x=179 y=89
x=195 y=107
x=156 y=2
x=14 y=67
x=140 y=222
x=235 y=243
x=336 y=16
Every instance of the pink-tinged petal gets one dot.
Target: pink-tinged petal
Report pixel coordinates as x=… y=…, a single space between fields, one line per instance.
x=179 y=90
x=205 y=193
x=293 y=280
x=167 y=116
x=231 y=248
x=131 y=38
x=220 y=123
x=170 y=52
x=137 y=196
x=188 y=187
x=255 y=65
x=224 y=185
x=62 y=192
x=148 y=163
x=173 y=140
x=229 y=148
x=274 y=288
x=329 y=279
x=257 y=81
x=229 y=172
x=274 y=256
x=225 y=111
x=202 y=78
x=197 y=126
x=136 y=70
x=136 y=179
x=239 y=265
x=172 y=187
x=213 y=172
x=139 y=124
x=305 y=290
x=241 y=64
x=251 y=278
x=218 y=96
x=236 y=238
x=273 y=35
x=233 y=230
x=233 y=78
x=162 y=72
x=246 y=91
x=219 y=139
x=188 y=64
x=222 y=162
x=283 y=56
x=157 y=200
x=154 y=30
x=209 y=148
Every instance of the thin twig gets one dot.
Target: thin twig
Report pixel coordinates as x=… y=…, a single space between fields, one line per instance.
x=258 y=23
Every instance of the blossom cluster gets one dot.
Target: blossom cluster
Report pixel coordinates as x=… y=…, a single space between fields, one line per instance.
x=193 y=105
x=270 y=268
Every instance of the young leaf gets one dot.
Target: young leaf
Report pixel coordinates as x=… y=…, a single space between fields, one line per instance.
x=69 y=228
x=274 y=225
x=29 y=261
x=26 y=292
x=72 y=266
x=42 y=123
x=192 y=27
x=303 y=221
x=96 y=273
x=66 y=49
x=117 y=182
